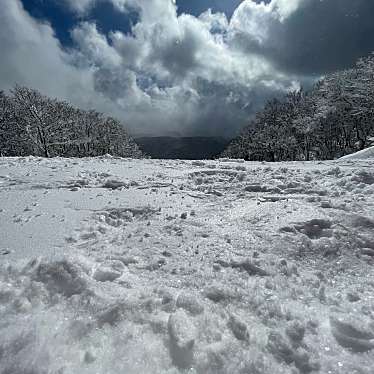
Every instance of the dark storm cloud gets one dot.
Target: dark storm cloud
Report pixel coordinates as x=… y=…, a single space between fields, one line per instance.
x=318 y=37
x=228 y=106
x=328 y=35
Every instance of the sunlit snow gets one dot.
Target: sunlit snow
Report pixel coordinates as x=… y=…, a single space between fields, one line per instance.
x=112 y=265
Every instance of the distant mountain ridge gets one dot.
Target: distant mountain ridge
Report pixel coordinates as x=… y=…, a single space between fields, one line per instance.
x=187 y=148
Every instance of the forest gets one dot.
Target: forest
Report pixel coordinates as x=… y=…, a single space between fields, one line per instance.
x=334 y=118
x=34 y=124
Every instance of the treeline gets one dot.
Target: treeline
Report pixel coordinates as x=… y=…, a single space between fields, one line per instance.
x=333 y=119
x=33 y=124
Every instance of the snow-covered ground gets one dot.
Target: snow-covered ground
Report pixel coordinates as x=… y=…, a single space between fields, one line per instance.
x=142 y=266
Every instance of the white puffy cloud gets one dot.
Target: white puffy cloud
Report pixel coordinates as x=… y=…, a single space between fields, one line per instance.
x=94 y=46
x=262 y=22
x=285 y=8
x=31 y=55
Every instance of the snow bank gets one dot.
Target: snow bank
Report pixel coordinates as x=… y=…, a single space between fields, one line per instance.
x=365 y=154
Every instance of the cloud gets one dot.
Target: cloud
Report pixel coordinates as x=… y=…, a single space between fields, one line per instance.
x=31 y=55
x=94 y=46
x=305 y=37
x=180 y=74
x=80 y=6
x=285 y=8
x=185 y=76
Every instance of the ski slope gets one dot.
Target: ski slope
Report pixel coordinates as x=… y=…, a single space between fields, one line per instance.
x=112 y=265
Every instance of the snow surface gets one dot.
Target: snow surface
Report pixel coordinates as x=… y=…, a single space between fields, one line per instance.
x=367 y=153
x=142 y=266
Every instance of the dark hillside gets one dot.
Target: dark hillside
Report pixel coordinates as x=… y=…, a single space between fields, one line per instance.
x=187 y=148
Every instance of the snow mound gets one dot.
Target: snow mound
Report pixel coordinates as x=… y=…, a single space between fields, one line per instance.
x=365 y=154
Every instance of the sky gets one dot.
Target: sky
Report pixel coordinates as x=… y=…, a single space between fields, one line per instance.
x=178 y=67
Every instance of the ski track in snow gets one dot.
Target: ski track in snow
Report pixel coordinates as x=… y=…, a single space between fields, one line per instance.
x=112 y=265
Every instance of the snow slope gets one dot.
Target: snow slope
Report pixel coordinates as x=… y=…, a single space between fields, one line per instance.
x=143 y=266
x=365 y=154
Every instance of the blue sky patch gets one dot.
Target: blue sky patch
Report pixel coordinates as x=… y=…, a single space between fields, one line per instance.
x=107 y=18
x=63 y=20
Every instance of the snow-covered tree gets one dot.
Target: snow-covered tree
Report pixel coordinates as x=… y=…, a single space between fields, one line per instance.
x=335 y=118
x=33 y=124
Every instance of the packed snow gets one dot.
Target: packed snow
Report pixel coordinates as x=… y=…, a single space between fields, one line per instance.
x=113 y=265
